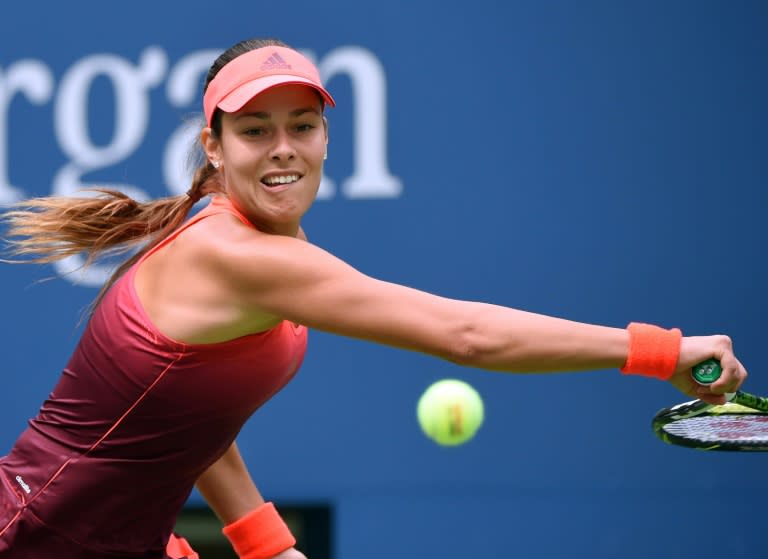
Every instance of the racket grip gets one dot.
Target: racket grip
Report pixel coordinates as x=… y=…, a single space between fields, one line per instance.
x=707 y=371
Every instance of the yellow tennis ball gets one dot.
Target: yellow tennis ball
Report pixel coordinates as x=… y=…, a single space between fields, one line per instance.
x=450 y=412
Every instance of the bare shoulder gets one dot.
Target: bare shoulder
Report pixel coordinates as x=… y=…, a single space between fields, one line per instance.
x=224 y=238
x=202 y=287
x=249 y=261
x=215 y=252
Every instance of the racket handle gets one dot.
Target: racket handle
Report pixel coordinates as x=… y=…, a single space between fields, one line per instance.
x=707 y=371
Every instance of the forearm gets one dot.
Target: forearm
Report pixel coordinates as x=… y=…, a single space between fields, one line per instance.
x=228 y=488
x=254 y=528
x=504 y=339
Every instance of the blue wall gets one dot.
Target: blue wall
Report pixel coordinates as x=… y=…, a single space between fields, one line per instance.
x=601 y=161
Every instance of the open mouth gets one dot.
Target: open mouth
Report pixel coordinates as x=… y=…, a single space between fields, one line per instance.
x=273 y=181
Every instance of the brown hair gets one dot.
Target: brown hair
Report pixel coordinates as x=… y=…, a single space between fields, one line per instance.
x=51 y=228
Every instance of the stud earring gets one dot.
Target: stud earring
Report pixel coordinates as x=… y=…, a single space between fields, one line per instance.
x=325 y=155
x=215 y=164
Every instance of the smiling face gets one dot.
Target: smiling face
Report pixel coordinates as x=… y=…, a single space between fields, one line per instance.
x=271 y=156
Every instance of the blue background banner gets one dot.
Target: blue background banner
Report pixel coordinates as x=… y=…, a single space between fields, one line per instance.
x=599 y=161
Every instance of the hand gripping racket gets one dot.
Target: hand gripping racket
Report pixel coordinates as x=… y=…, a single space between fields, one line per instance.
x=739 y=424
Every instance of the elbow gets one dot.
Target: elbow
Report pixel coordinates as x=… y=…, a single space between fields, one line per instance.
x=465 y=347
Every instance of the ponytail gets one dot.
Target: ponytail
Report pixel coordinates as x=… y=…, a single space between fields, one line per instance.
x=51 y=228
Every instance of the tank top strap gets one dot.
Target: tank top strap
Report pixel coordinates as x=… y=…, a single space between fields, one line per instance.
x=217 y=205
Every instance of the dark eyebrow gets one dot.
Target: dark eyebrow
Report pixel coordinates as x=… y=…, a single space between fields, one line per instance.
x=266 y=116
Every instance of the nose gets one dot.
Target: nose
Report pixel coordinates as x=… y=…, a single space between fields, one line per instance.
x=282 y=149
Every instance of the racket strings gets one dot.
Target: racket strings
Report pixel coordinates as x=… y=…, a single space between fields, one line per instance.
x=741 y=428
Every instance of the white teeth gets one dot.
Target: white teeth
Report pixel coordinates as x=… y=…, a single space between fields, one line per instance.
x=281 y=179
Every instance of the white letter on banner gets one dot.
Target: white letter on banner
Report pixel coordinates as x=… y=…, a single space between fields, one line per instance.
x=35 y=81
x=131 y=85
x=184 y=86
x=371 y=178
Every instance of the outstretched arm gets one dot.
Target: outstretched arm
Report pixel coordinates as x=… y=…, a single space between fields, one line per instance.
x=256 y=279
x=300 y=282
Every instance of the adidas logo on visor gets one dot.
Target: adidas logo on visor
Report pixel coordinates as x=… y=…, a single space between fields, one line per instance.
x=275 y=62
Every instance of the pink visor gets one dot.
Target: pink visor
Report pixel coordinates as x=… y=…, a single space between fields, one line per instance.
x=251 y=73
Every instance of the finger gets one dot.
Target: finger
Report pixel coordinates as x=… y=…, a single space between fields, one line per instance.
x=729 y=386
x=709 y=397
x=732 y=377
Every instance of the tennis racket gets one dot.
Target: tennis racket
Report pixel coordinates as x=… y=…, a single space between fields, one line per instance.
x=739 y=424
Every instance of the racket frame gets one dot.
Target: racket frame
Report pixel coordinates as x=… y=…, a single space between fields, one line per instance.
x=695 y=408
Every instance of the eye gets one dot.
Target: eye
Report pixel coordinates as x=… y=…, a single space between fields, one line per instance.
x=254 y=132
x=305 y=127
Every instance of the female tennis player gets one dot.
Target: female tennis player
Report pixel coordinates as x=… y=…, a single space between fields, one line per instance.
x=209 y=319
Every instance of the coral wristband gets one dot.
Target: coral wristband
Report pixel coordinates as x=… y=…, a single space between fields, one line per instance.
x=260 y=534
x=653 y=351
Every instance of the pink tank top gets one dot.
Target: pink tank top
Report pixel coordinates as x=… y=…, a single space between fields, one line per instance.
x=135 y=419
